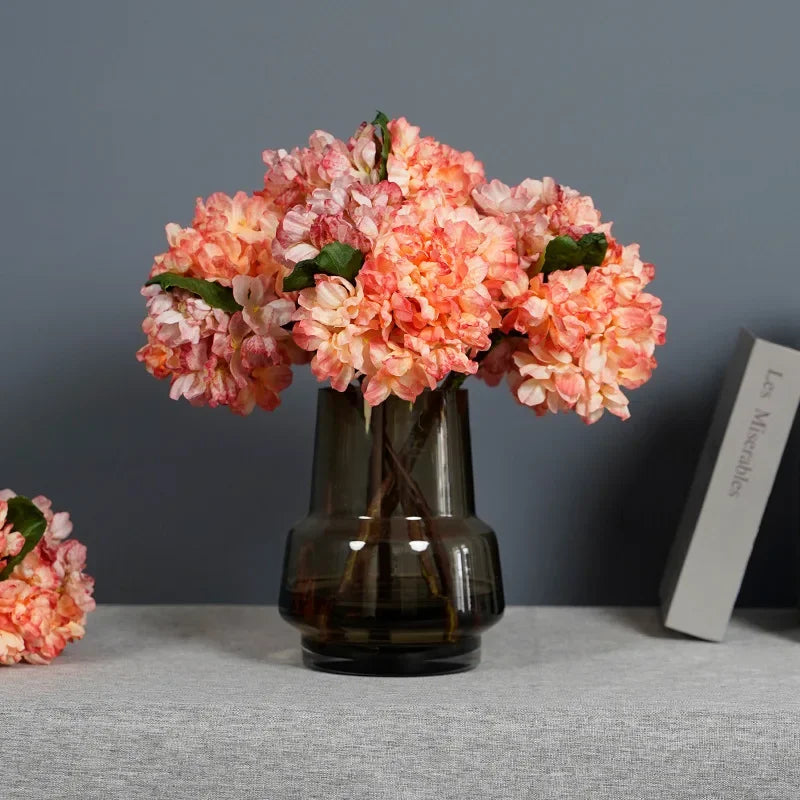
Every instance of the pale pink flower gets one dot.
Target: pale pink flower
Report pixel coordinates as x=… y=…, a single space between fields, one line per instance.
x=11 y=541
x=12 y=647
x=363 y=151
x=537 y=212
x=417 y=164
x=213 y=358
x=44 y=602
x=497 y=199
x=293 y=175
x=352 y=214
x=262 y=309
x=260 y=365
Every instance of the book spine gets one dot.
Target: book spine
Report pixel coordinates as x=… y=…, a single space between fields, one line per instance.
x=735 y=475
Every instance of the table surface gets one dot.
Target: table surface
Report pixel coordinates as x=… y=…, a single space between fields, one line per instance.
x=197 y=701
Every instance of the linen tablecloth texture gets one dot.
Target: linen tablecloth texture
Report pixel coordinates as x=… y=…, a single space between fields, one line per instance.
x=212 y=702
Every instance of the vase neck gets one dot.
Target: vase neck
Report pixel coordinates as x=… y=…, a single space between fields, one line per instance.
x=401 y=459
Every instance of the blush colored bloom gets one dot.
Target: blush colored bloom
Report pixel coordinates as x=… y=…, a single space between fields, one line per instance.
x=424 y=302
x=499 y=361
x=537 y=212
x=263 y=311
x=337 y=323
x=44 y=602
x=293 y=175
x=418 y=164
x=11 y=541
x=351 y=213
x=229 y=236
x=12 y=647
x=589 y=335
x=214 y=358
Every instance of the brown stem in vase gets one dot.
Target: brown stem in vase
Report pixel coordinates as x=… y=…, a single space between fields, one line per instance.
x=386 y=497
x=433 y=563
x=414 y=500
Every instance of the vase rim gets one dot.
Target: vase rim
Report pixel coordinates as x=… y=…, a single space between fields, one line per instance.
x=353 y=389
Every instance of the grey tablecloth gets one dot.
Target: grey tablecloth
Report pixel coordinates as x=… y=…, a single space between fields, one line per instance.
x=211 y=702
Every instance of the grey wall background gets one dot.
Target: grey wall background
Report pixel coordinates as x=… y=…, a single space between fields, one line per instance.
x=681 y=119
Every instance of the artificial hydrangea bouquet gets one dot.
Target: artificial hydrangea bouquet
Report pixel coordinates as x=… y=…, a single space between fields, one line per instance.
x=44 y=593
x=390 y=260
x=391 y=264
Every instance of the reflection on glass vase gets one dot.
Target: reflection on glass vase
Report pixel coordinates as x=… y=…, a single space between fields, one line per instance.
x=391 y=573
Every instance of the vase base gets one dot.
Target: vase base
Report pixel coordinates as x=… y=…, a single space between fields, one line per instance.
x=397 y=661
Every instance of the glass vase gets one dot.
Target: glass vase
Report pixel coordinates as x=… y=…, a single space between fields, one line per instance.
x=391 y=572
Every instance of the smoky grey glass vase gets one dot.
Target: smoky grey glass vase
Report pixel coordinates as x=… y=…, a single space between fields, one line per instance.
x=391 y=572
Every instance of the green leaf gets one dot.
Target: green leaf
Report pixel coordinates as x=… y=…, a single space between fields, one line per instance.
x=26 y=519
x=564 y=252
x=301 y=277
x=594 y=247
x=335 y=258
x=215 y=294
x=561 y=253
x=340 y=259
x=382 y=121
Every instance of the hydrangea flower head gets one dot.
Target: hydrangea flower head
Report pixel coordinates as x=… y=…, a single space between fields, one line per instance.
x=425 y=301
x=589 y=335
x=45 y=600
x=417 y=164
x=229 y=236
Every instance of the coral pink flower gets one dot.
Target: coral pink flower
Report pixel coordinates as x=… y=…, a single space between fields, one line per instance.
x=418 y=164
x=44 y=603
x=259 y=363
x=12 y=646
x=350 y=213
x=229 y=236
x=213 y=358
x=537 y=212
x=588 y=336
x=422 y=304
x=338 y=323
x=499 y=361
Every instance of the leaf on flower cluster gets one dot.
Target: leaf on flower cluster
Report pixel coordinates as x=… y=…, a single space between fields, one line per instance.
x=564 y=252
x=28 y=520
x=382 y=121
x=335 y=258
x=215 y=294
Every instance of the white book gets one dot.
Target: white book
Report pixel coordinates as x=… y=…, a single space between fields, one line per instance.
x=732 y=483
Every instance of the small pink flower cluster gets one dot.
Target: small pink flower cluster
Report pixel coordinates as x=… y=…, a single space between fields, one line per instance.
x=45 y=600
x=214 y=358
x=229 y=236
x=449 y=282
x=537 y=212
